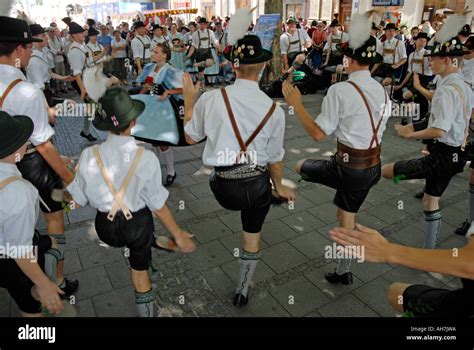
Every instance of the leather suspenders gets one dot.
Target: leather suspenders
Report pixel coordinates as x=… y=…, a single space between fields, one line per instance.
x=8 y=90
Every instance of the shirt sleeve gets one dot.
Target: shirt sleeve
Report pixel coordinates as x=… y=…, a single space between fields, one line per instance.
x=402 y=52
x=213 y=38
x=76 y=61
x=137 y=49
x=328 y=119
x=284 y=44
x=195 y=40
x=33 y=72
x=19 y=223
x=442 y=109
x=195 y=128
x=36 y=110
x=409 y=61
x=154 y=194
x=306 y=37
x=77 y=188
x=275 y=149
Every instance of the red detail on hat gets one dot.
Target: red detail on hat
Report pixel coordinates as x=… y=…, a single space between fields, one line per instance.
x=114 y=120
x=227 y=49
x=344 y=46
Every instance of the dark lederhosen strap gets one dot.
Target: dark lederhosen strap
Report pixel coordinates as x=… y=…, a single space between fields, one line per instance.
x=393 y=51
x=208 y=38
x=375 y=129
x=8 y=90
x=294 y=42
x=418 y=61
x=144 y=47
x=243 y=145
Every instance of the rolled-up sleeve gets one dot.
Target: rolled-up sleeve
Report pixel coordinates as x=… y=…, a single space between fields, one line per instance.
x=328 y=119
x=275 y=149
x=195 y=128
x=284 y=41
x=77 y=188
x=36 y=110
x=137 y=49
x=154 y=194
x=442 y=110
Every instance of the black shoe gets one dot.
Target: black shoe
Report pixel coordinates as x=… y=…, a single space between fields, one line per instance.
x=240 y=300
x=169 y=180
x=70 y=288
x=419 y=194
x=334 y=278
x=462 y=230
x=88 y=137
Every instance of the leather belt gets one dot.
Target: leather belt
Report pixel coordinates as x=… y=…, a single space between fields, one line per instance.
x=357 y=158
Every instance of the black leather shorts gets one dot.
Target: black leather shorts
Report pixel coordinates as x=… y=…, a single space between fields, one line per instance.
x=36 y=170
x=252 y=197
x=136 y=234
x=352 y=185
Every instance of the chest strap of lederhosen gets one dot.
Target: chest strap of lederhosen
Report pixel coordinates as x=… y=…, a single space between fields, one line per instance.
x=243 y=145
x=85 y=54
x=8 y=90
x=118 y=196
x=293 y=42
x=392 y=52
x=144 y=49
x=208 y=38
x=11 y=179
x=418 y=61
x=375 y=129
x=465 y=112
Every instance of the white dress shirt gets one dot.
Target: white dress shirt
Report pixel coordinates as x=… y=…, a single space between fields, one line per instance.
x=447 y=111
x=210 y=119
x=19 y=211
x=56 y=45
x=26 y=99
x=298 y=35
x=344 y=114
x=158 y=40
x=141 y=47
x=49 y=57
x=117 y=153
x=208 y=39
x=422 y=69
x=38 y=71
x=334 y=40
x=468 y=72
x=400 y=53
x=79 y=57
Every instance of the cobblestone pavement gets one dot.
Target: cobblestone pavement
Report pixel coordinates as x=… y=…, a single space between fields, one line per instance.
x=289 y=280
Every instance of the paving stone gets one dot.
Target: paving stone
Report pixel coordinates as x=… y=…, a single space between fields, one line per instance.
x=219 y=281
x=346 y=306
x=204 y=206
x=311 y=244
x=210 y=255
x=92 y=282
x=116 y=303
x=276 y=231
x=303 y=222
x=232 y=268
x=72 y=262
x=262 y=304
x=282 y=257
x=119 y=273
x=99 y=255
x=374 y=294
x=209 y=230
x=82 y=214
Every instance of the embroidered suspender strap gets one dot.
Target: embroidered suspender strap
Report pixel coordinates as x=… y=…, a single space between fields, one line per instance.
x=118 y=196
x=8 y=90
x=8 y=181
x=466 y=115
x=375 y=130
x=243 y=145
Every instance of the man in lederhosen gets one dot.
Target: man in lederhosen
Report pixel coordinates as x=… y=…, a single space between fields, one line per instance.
x=94 y=47
x=355 y=111
x=447 y=128
x=293 y=43
x=79 y=58
x=42 y=164
x=334 y=55
x=158 y=36
x=417 y=64
x=394 y=57
x=38 y=71
x=242 y=169
x=141 y=46
x=203 y=40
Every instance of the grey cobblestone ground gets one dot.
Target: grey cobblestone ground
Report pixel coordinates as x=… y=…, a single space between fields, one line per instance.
x=290 y=277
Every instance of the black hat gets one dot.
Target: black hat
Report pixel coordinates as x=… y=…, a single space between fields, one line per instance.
x=116 y=110
x=202 y=20
x=36 y=29
x=90 y=22
x=14 y=132
x=450 y=48
x=138 y=24
x=366 y=54
x=156 y=26
x=422 y=35
x=248 y=50
x=334 y=23
x=67 y=20
x=74 y=28
x=92 y=31
x=466 y=30
x=391 y=26
x=15 y=30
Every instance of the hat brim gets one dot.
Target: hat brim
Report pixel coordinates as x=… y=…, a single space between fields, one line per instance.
x=107 y=125
x=20 y=40
x=265 y=56
x=378 y=58
x=444 y=54
x=25 y=128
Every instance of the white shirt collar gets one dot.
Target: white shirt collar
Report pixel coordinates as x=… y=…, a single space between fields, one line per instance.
x=361 y=74
x=246 y=84
x=15 y=72
x=121 y=143
x=8 y=169
x=455 y=75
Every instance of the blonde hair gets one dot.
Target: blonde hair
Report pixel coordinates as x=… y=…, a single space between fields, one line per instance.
x=249 y=70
